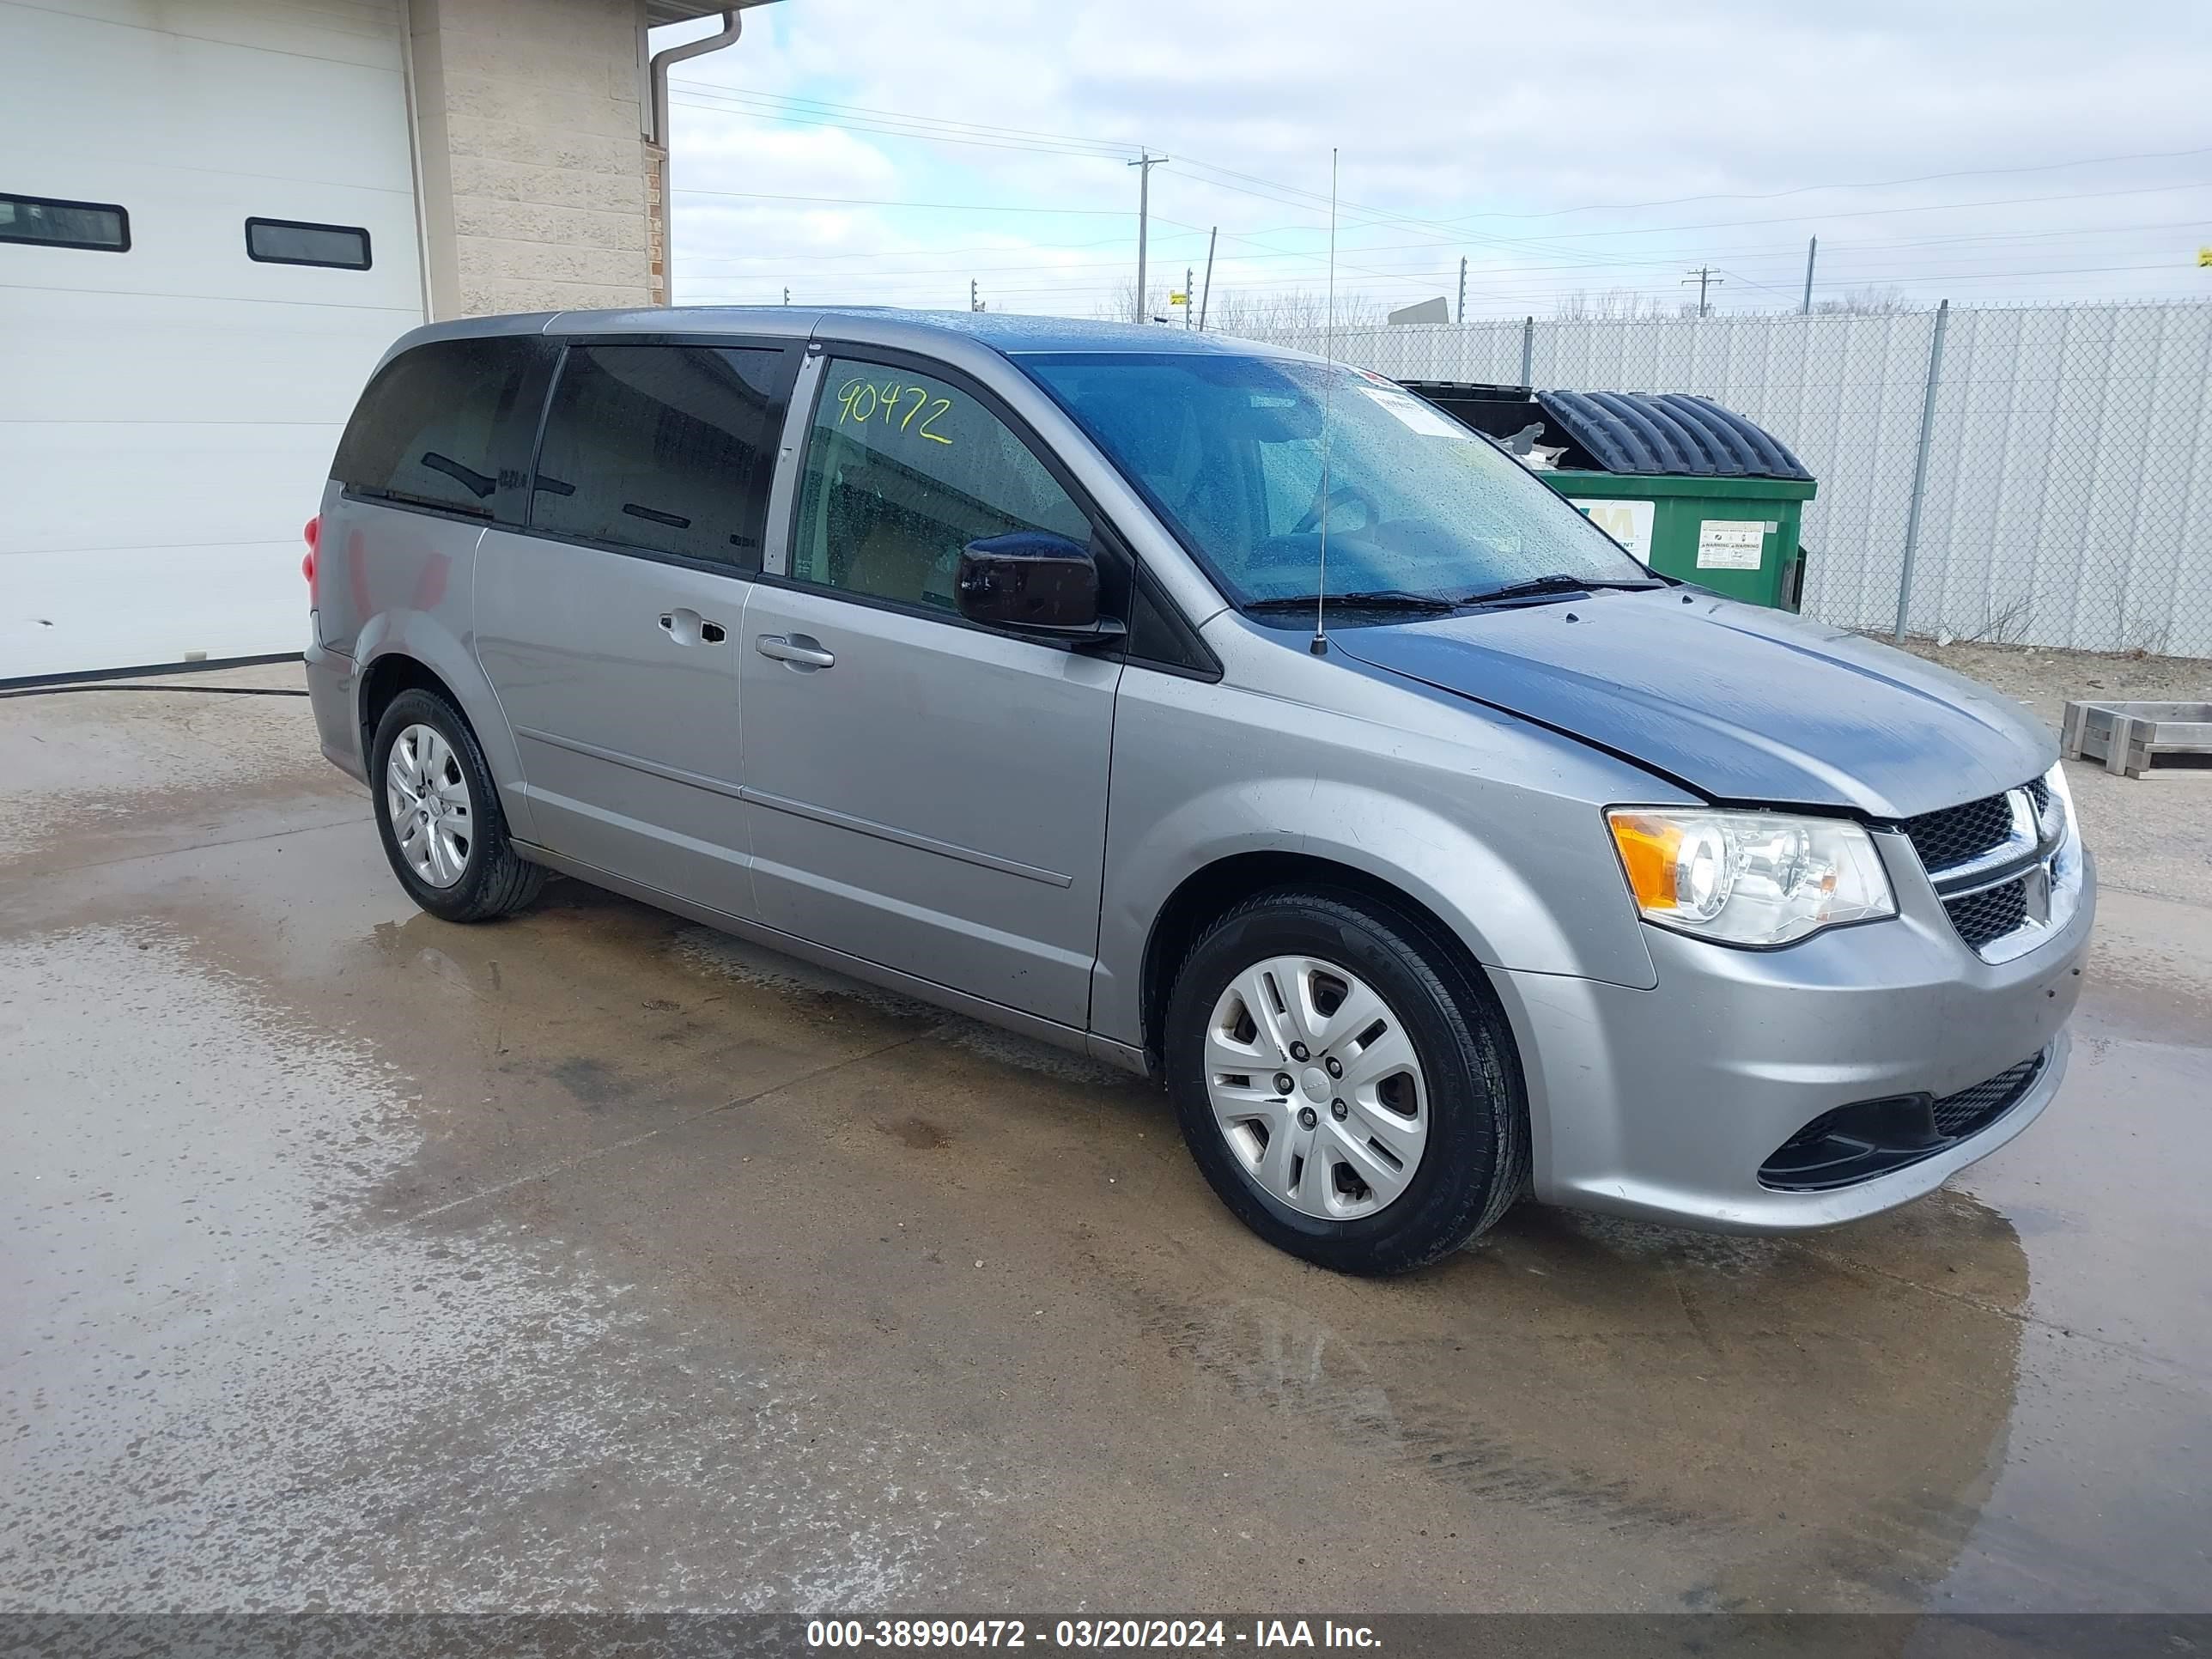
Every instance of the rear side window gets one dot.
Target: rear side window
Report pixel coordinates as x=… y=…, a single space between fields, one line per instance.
x=434 y=425
x=668 y=449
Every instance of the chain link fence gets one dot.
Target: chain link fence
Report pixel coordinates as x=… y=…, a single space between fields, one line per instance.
x=2033 y=476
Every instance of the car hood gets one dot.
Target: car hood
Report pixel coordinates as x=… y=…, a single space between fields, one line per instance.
x=1738 y=703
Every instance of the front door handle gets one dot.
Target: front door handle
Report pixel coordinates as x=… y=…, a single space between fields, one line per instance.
x=687 y=626
x=799 y=650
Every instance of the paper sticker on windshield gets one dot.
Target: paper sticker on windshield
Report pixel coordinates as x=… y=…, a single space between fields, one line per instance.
x=1730 y=544
x=1412 y=412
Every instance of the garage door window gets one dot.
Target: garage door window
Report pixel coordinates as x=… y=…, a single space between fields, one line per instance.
x=291 y=242
x=666 y=449
x=429 y=431
x=97 y=226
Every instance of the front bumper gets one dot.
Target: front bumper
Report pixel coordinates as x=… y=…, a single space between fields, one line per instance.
x=1664 y=1103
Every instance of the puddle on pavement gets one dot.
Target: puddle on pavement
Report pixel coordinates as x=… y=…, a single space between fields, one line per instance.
x=226 y=1387
x=1820 y=1433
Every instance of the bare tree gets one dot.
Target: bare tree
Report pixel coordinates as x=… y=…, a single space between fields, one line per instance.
x=1868 y=302
x=1244 y=311
x=1123 y=306
x=1614 y=305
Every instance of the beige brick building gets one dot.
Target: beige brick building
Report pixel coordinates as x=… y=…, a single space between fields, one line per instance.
x=541 y=186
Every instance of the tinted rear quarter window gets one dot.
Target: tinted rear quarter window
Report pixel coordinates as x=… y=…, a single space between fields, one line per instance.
x=437 y=422
x=663 y=448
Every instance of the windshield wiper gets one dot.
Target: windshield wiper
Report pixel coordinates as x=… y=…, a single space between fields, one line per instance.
x=1537 y=588
x=1385 y=599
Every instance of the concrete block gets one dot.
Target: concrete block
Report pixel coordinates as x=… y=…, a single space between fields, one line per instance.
x=515 y=140
x=502 y=179
x=516 y=259
x=528 y=221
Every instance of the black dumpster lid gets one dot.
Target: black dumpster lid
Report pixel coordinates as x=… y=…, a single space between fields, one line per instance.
x=1668 y=432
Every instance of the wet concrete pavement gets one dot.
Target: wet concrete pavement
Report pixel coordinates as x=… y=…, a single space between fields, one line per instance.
x=593 y=1259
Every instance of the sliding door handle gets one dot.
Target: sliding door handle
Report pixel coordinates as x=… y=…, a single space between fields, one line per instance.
x=799 y=650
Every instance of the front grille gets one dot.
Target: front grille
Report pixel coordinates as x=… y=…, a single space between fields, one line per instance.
x=1973 y=1110
x=1988 y=914
x=1956 y=833
x=1950 y=839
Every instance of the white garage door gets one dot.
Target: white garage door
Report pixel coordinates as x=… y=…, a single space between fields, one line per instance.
x=167 y=412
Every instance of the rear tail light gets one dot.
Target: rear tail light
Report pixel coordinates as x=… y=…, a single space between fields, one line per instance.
x=312 y=535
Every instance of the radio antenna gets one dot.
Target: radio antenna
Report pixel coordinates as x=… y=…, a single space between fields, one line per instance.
x=1320 y=646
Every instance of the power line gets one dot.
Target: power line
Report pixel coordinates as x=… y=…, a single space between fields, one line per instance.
x=1123 y=147
x=1120 y=147
x=1519 y=300
x=868 y=201
x=1437 y=229
x=1877 y=184
x=1836 y=249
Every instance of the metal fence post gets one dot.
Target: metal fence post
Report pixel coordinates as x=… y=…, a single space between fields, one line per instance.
x=1527 y=351
x=1920 y=469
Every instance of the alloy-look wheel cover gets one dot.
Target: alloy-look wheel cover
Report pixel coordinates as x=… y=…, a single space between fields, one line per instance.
x=427 y=796
x=1316 y=1087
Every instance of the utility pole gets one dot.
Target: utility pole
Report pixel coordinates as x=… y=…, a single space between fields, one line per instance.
x=1461 y=313
x=1144 y=165
x=1703 y=277
x=1206 y=293
x=1812 y=248
x=1188 y=273
x=974 y=298
x=786 y=297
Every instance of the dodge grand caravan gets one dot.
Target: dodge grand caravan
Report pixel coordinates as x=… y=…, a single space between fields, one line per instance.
x=1234 y=716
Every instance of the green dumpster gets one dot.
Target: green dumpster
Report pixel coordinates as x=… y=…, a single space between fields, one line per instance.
x=1693 y=490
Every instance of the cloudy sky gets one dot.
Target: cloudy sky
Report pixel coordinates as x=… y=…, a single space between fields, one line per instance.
x=881 y=152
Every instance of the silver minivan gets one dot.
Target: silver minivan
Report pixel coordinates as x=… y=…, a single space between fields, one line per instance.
x=1229 y=714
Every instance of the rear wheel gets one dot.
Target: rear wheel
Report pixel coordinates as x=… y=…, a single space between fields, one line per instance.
x=439 y=816
x=1348 y=1088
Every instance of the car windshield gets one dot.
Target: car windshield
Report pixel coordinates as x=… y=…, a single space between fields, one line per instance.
x=1233 y=451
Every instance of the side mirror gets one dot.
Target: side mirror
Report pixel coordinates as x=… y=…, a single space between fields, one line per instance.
x=1033 y=581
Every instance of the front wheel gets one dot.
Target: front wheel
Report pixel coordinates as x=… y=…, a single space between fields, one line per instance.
x=1349 y=1090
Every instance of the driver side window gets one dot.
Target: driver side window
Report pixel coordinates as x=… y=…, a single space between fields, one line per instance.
x=903 y=471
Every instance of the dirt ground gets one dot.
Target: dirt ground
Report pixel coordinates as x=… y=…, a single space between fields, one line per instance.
x=2045 y=679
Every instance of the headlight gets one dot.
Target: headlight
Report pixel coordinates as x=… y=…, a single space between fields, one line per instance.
x=1749 y=877
x=2055 y=781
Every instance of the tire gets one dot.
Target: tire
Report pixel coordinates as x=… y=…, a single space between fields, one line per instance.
x=488 y=878
x=1456 y=1108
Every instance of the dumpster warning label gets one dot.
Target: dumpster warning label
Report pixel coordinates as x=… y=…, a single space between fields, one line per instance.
x=1628 y=523
x=1730 y=544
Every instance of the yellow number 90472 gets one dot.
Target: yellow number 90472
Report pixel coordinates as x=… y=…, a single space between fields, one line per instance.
x=893 y=404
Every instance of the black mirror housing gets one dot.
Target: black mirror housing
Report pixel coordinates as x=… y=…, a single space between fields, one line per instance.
x=1030 y=579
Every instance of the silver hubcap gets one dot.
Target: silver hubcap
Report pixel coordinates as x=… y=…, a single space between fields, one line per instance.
x=428 y=798
x=1316 y=1088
